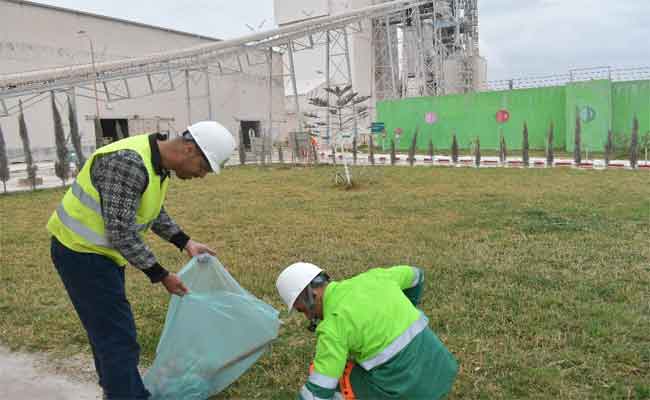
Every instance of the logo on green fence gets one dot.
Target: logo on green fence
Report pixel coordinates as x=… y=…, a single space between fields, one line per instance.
x=587 y=114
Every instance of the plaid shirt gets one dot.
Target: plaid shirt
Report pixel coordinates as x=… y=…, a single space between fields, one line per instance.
x=121 y=178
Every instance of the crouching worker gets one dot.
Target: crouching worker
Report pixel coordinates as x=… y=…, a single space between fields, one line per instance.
x=373 y=343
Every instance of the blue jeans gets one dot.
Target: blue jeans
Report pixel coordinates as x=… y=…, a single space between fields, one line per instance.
x=95 y=285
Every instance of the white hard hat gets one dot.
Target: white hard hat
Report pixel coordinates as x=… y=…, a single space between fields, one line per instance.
x=214 y=140
x=294 y=279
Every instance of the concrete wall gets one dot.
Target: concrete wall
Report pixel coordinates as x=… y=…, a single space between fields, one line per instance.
x=34 y=37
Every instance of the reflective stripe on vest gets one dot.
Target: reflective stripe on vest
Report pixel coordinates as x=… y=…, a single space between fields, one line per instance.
x=306 y=394
x=81 y=230
x=398 y=344
x=323 y=380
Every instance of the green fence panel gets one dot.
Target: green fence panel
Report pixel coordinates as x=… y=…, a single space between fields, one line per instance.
x=630 y=99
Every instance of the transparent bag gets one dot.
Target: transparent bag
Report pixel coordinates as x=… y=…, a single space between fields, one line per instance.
x=211 y=336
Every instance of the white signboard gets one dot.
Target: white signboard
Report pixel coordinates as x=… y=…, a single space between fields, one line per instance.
x=290 y=11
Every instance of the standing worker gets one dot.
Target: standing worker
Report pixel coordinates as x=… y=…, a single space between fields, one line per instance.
x=99 y=227
x=372 y=320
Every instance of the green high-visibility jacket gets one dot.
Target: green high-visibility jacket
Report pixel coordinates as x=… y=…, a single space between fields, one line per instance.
x=78 y=222
x=372 y=320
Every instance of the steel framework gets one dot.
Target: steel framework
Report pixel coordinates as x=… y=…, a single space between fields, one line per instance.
x=411 y=41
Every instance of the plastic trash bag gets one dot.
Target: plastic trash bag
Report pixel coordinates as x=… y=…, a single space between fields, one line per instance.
x=212 y=335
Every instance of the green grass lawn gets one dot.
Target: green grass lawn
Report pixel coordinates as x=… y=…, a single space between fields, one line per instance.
x=538 y=280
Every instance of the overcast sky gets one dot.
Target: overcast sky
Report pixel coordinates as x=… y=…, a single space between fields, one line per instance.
x=518 y=37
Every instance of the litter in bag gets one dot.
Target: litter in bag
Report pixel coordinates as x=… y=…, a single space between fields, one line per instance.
x=212 y=335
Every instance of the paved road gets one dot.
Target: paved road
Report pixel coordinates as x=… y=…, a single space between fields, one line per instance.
x=28 y=377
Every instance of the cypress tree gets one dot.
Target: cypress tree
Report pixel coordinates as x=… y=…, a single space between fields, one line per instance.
x=609 y=147
x=29 y=162
x=4 y=162
x=503 y=151
x=524 y=147
x=414 y=141
x=74 y=135
x=454 y=149
x=634 y=144
x=61 y=165
x=549 y=147
x=577 y=151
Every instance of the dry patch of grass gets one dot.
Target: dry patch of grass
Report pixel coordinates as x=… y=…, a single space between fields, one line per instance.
x=538 y=280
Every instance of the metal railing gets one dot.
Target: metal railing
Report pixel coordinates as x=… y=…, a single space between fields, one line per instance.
x=574 y=75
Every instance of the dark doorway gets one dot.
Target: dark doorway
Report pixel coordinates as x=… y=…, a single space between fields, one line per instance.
x=110 y=129
x=249 y=129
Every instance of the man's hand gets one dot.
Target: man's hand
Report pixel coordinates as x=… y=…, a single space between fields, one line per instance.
x=193 y=248
x=174 y=285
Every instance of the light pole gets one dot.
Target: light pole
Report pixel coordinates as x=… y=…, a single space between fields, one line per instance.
x=92 y=58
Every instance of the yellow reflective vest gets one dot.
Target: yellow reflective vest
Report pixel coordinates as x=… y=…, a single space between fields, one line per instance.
x=78 y=223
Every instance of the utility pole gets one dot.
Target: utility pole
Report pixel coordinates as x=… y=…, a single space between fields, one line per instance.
x=92 y=59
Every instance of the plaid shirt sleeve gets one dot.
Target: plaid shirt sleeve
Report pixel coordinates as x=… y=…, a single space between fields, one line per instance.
x=121 y=178
x=165 y=227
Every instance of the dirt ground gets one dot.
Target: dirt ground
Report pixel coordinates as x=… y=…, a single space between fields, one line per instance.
x=36 y=377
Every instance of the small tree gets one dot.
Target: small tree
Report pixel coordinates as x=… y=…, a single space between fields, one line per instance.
x=549 y=147
x=503 y=151
x=280 y=154
x=577 y=151
x=414 y=143
x=454 y=149
x=371 y=155
x=61 y=165
x=609 y=147
x=346 y=107
x=354 y=150
x=74 y=135
x=4 y=162
x=477 y=152
x=634 y=143
x=22 y=131
x=392 y=151
x=524 y=147
x=430 y=149
x=242 y=147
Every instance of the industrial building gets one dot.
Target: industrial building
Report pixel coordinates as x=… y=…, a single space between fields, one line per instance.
x=429 y=49
x=34 y=37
